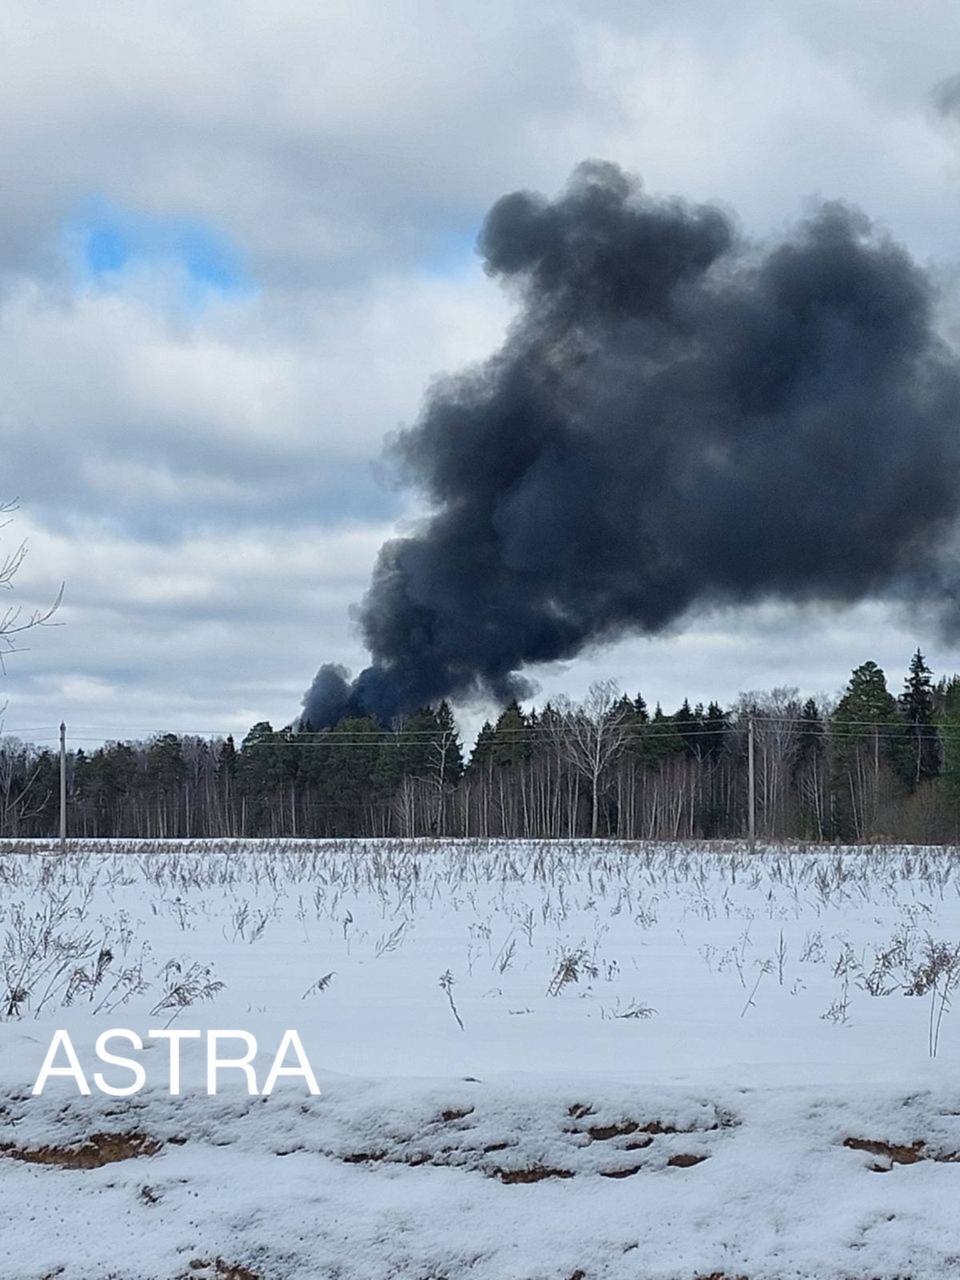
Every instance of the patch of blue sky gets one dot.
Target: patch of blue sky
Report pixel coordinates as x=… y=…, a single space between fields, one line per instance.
x=107 y=242
x=453 y=253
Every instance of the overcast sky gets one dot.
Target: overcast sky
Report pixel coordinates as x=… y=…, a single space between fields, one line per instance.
x=236 y=244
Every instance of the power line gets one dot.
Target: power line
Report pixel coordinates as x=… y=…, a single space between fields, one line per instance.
x=538 y=735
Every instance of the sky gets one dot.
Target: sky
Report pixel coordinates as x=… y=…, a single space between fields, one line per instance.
x=237 y=244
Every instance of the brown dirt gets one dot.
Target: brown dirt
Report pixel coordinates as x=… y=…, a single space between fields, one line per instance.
x=719 y=1275
x=535 y=1173
x=224 y=1270
x=538 y=1173
x=653 y=1129
x=898 y=1153
x=621 y=1173
x=93 y=1153
x=447 y=1117
x=579 y=1110
x=364 y=1157
x=603 y=1132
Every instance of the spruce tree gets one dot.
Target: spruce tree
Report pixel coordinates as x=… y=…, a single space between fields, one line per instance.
x=448 y=742
x=917 y=709
x=510 y=737
x=810 y=736
x=689 y=723
x=660 y=738
x=483 y=747
x=715 y=724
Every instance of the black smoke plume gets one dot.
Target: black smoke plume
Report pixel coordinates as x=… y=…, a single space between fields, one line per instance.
x=676 y=419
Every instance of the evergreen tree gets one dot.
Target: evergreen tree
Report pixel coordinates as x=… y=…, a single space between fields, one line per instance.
x=917 y=709
x=810 y=736
x=866 y=733
x=715 y=725
x=631 y=713
x=510 y=736
x=689 y=723
x=866 y=702
x=448 y=749
x=948 y=700
x=660 y=738
x=259 y=776
x=483 y=747
x=227 y=764
x=419 y=734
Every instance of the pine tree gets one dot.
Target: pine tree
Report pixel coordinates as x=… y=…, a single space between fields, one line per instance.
x=866 y=701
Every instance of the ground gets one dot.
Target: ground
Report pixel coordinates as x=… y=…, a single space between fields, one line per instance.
x=536 y=1061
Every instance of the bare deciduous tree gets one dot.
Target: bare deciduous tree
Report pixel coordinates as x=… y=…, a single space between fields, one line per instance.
x=591 y=735
x=14 y=621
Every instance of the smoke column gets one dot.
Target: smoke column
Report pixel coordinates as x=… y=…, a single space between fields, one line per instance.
x=676 y=419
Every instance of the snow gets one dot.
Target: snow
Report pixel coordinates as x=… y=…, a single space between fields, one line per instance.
x=730 y=1127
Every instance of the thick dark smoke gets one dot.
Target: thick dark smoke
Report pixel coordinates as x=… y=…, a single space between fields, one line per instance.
x=675 y=420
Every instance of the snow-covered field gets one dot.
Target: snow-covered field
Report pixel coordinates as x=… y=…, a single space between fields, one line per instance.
x=536 y=1060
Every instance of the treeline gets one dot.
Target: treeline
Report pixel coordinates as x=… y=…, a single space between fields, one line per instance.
x=873 y=766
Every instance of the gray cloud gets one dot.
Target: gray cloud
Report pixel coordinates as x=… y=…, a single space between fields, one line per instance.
x=348 y=153
x=946 y=96
x=325 y=141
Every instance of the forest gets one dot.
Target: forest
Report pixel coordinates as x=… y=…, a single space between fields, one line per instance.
x=868 y=766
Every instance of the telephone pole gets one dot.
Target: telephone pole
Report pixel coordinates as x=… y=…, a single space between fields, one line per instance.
x=63 y=787
x=751 y=789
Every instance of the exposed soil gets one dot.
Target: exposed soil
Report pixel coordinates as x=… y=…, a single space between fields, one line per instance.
x=536 y=1174
x=719 y=1275
x=603 y=1132
x=455 y=1114
x=223 y=1270
x=92 y=1153
x=621 y=1173
x=625 y=1135
x=364 y=1157
x=652 y=1129
x=897 y=1153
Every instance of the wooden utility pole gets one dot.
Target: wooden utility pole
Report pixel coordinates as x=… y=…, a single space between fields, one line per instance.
x=751 y=789
x=63 y=787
